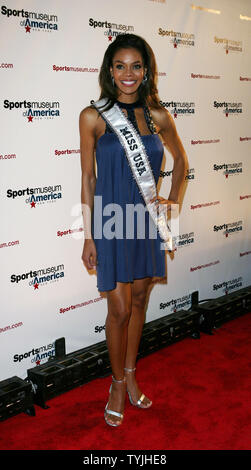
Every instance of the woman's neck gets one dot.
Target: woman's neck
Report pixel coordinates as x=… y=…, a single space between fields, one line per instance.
x=122 y=101
x=128 y=99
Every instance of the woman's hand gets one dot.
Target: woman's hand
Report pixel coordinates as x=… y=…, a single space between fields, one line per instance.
x=162 y=200
x=89 y=255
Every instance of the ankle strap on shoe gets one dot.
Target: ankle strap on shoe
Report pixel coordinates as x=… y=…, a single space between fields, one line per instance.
x=129 y=370
x=118 y=381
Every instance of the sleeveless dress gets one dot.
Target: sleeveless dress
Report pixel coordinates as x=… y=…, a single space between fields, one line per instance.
x=124 y=251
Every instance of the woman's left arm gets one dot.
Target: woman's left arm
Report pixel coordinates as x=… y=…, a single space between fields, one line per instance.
x=172 y=141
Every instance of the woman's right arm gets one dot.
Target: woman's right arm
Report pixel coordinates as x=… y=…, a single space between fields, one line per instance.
x=87 y=126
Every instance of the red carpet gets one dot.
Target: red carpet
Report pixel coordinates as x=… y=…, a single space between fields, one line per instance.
x=201 y=400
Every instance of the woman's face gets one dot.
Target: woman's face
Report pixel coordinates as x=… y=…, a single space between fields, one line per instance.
x=128 y=72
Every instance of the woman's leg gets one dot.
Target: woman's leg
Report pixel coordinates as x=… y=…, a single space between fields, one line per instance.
x=119 y=302
x=139 y=296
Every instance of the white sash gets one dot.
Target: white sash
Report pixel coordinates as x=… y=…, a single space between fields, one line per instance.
x=140 y=166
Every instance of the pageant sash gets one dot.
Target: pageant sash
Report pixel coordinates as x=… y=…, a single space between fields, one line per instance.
x=140 y=166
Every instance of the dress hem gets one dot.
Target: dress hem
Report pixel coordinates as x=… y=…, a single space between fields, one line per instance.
x=141 y=277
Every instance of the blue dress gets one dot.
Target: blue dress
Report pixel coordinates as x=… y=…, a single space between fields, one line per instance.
x=122 y=257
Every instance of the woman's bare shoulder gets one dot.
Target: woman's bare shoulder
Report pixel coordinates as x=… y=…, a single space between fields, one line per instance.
x=88 y=116
x=161 y=117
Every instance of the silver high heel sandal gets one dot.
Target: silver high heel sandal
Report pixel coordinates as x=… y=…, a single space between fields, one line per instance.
x=111 y=412
x=140 y=400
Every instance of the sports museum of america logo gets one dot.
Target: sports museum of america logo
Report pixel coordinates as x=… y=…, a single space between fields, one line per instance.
x=37 y=196
x=190 y=174
x=226 y=287
x=111 y=30
x=185 y=239
x=228 y=108
x=36 y=355
x=228 y=169
x=39 y=277
x=184 y=108
x=230 y=45
x=178 y=38
x=31 y=21
x=34 y=110
x=177 y=304
x=230 y=228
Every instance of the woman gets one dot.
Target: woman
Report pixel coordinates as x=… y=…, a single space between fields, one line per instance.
x=125 y=266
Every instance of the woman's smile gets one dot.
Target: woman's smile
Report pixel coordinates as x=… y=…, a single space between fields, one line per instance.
x=128 y=82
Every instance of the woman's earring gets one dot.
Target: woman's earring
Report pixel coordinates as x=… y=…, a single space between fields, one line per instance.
x=112 y=80
x=144 y=79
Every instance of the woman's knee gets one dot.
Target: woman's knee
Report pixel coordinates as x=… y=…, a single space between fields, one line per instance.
x=139 y=299
x=119 y=315
x=139 y=293
x=119 y=304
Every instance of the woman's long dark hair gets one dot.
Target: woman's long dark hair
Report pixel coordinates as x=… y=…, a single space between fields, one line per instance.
x=148 y=92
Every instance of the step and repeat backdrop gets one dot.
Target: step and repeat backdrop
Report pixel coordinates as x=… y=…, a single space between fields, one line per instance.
x=50 y=57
